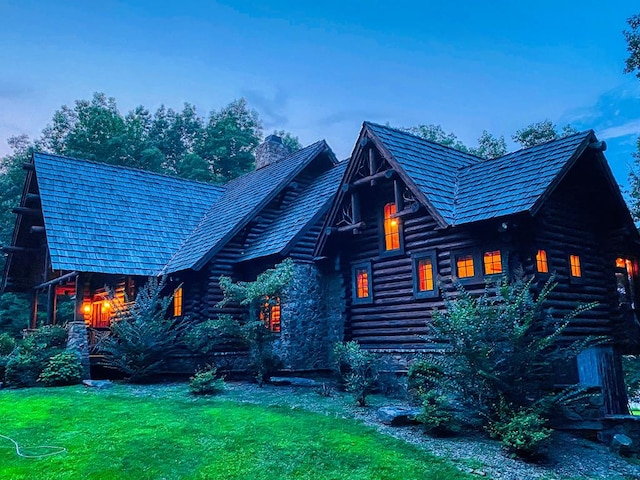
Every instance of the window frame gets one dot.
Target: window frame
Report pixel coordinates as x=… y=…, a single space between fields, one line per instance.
x=548 y=273
x=383 y=234
x=266 y=313
x=178 y=293
x=573 y=279
x=354 y=283
x=415 y=262
x=477 y=253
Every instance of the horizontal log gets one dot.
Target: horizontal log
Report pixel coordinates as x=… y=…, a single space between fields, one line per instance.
x=411 y=209
x=28 y=166
x=385 y=175
x=14 y=249
x=37 y=229
x=27 y=211
x=354 y=226
x=32 y=197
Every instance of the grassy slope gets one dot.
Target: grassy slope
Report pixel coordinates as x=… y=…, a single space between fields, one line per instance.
x=114 y=434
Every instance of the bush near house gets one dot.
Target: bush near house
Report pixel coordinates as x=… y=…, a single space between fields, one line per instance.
x=357 y=368
x=29 y=359
x=206 y=381
x=143 y=337
x=62 y=369
x=503 y=348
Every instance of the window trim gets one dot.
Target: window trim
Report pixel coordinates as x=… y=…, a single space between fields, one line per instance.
x=415 y=261
x=548 y=273
x=178 y=294
x=382 y=234
x=573 y=279
x=477 y=254
x=354 y=283
x=266 y=313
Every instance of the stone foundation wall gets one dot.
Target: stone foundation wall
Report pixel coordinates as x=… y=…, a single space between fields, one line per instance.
x=312 y=316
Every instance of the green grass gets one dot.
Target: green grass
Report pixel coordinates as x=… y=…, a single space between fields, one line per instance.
x=124 y=432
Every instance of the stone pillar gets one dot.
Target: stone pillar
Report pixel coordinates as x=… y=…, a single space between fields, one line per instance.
x=78 y=343
x=312 y=310
x=270 y=151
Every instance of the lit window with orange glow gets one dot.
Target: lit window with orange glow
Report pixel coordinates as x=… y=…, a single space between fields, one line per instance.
x=425 y=275
x=492 y=262
x=464 y=266
x=270 y=314
x=542 y=264
x=177 y=302
x=391 y=228
x=576 y=269
x=362 y=283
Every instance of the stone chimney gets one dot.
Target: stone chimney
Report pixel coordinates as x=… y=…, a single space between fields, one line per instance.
x=270 y=151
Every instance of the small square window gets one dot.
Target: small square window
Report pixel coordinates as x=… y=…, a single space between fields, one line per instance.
x=492 y=262
x=542 y=264
x=464 y=266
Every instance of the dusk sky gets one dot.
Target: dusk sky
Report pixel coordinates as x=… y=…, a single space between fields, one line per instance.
x=320 y=69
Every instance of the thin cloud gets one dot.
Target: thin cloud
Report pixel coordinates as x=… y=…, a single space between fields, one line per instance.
x=629 y=128
x=270 y=108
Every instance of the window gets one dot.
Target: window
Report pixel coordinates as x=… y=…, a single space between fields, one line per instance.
x=424 y=275
x=576 y=269
x=542 y=264
x=464 y=266
x=625 y=282
x=270 y=314
x=177 y=302
x=391 y=228
x=492 y=262
x=362 y=283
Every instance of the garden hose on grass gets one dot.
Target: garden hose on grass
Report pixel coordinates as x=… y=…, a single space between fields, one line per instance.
x=54 y=450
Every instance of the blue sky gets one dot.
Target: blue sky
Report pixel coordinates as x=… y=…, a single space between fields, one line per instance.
x=318 y=69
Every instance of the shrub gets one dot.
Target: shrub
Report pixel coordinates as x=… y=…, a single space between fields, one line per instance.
x=522 y=431
x=48 y=336
x=253 y=332
x=27 y=361
x=62 y=369
x=7 y=344
x=209 y=335
x=425 y=374
x=438 y=415
x=504 y=346
x=357 y=368
x=206 y=382
x=142 y=337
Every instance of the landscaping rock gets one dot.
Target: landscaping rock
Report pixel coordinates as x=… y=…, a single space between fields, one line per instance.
x=621 y=444
x=100 y=384
x=398 y=416
x=294 y=381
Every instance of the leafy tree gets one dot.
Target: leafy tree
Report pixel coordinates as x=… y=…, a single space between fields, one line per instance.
x=632 y=63
x=490 y=146
x=541 y=132
x=289 y=140
x=252 y=332
x=436 y=134
x=230 y=139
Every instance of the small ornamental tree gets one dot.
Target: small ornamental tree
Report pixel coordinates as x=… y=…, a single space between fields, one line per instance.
x=503 y=348
x=253 y=332
x=142 y=336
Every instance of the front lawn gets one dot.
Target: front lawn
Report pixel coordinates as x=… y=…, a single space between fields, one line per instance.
x=121 y=433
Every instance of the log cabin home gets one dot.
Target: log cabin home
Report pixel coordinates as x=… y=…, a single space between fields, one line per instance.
x=377 y=241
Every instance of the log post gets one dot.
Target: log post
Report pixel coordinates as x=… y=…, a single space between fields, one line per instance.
x=33 y=322
x=355 y=207
x=51 y=305
x=397 y=194
x=372 y=161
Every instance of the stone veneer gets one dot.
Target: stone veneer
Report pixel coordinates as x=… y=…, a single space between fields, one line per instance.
x=312 y=313
x=270 y=151
x=77 y=342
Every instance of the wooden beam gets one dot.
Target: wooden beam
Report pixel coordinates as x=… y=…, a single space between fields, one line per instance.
x=37 y=229
x=598 y=146
x=30 y=197
x=397 y=195
x=355 y=207
x=14 y=249
x=372 y=161
x=372 y=179
x=29 y=166
x=353 y=226
x=413 y=208
x=51 y=305
x=27 y=211
x=33 y=322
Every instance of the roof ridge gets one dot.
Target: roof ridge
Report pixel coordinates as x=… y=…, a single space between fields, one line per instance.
x=418 y=137
x=133 y=169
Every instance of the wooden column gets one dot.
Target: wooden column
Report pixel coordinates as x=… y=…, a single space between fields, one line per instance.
x=33 y=322
x=355 y=207
x=372 y=161
x=51 y=305
x=397 y=194
x=78 y=314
